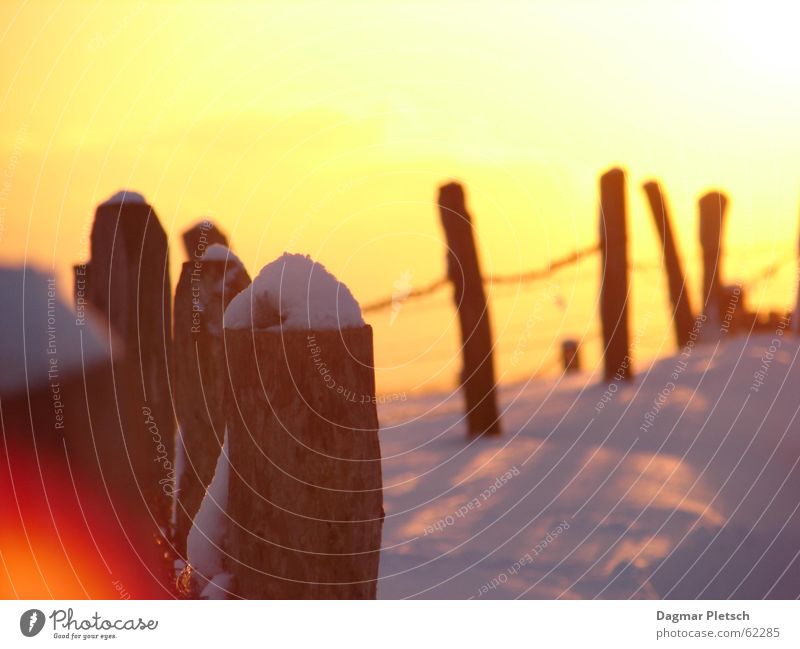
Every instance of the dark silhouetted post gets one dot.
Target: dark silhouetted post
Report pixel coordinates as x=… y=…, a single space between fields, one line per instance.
x=614 y=291
x=795 y=312
x=463 y=270
x=712 y=212
x=200 y=236
x=205 y=288
x=126 y=282
x=570 y=359
x=305 y=497
x=682 y=317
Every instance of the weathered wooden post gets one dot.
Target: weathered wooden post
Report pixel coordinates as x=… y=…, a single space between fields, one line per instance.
x=305 y=496
x=463 y=270
x=795 y=312
x=126 y=283
x=712 y=212
x=208 y=282
x=614 y=273
x=682 y=317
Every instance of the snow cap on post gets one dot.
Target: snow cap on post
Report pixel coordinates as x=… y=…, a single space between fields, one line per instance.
x=126 y=196
x=219 y=252
x=294 y=293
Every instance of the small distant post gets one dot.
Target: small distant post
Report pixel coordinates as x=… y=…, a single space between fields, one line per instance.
x=712 y=212
x=614 y=290
x=463 y=270
x=734 y=318
x=682 y=317
x=570 y=358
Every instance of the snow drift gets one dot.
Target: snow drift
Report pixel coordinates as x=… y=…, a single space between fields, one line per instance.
x=682 y=484
x=205 y=543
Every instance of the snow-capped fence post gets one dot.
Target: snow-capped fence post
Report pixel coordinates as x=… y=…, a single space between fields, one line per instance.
x=682 y=317
x=305 y=496
x=207 y=283
x=463 y=270
x=127 y=283
x=712 y=208
x=614 y=276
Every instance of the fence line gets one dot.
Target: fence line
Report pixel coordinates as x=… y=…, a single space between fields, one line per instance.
x=528 y=276
x=769 y=270
x=416 y=293
x=532 y=275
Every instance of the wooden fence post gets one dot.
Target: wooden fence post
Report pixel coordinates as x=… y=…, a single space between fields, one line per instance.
x=570 y=356
x=200 y=236
x=463 y=270
x=795 y=311
x=712 y=212
x=305 y=495
x=682 y=318
x=614 y=291
x=205 y=288
x=127 y=283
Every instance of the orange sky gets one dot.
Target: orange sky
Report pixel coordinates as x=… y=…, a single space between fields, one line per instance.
x=325 y=128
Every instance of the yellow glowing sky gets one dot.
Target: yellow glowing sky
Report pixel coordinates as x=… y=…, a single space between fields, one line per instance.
x=325 y=128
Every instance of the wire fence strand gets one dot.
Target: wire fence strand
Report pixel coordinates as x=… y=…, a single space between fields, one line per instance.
x=528 y=276
x=540 y=273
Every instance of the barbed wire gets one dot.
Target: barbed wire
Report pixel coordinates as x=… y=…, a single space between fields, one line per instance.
x=527 y=276
x=769 y=270
x=537 y=274
x=541 y=273
x=416 y=293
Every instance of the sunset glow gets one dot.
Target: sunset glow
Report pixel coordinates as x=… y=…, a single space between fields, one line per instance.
x=325 y=129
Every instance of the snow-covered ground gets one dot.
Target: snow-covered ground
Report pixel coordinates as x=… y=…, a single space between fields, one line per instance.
x=683 y=484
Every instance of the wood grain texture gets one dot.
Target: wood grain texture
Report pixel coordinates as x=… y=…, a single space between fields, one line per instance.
x=306 y=500
x=128 y=285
